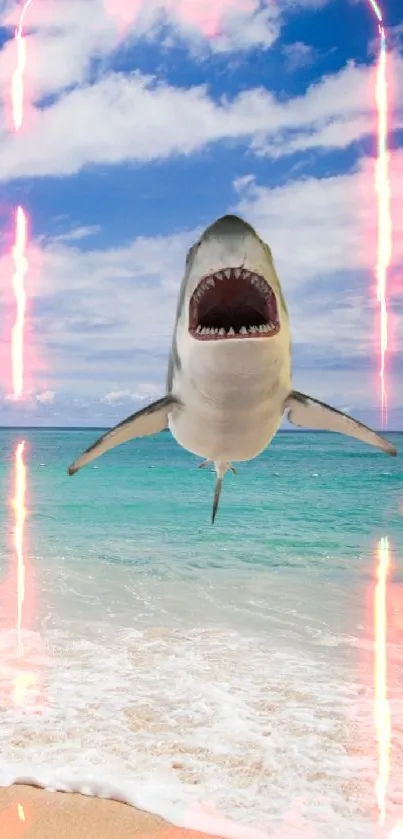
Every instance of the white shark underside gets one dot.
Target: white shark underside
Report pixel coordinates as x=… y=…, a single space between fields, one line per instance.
x=229 y=374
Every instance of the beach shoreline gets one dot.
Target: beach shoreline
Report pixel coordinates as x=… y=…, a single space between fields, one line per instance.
x=30 y=812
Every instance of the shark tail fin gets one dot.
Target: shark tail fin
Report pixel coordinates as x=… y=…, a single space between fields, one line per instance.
x=221 y=468
x=216 y=499
x=147 y=421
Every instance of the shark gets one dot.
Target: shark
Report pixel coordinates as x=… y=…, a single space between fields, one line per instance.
x=229 y=378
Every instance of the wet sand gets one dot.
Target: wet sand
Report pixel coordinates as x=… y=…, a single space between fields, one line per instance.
x=27 y=812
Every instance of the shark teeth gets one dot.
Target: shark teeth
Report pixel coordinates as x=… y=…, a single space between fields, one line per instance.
x=237 y=273
x=251 y=331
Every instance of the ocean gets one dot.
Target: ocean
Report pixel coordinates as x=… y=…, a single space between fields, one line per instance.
x=222 y=676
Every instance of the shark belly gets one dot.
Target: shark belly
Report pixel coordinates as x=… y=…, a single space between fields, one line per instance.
x=222 y=441
x=227 y=428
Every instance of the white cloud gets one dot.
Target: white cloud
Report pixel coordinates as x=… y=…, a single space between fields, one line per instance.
x=147 y=390
x=64 y=37
x=144 y=391
x=298 y=55
x=77 y=233
x=46 y=398
x=183 y=121
x=30 y=399
x=117 y=396
x=245 y=30
x=322 y=226
x=92 y=123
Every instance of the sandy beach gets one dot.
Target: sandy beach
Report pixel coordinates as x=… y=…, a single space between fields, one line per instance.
x=34 y=813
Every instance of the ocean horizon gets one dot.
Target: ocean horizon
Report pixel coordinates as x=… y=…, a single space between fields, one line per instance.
x=185 y=667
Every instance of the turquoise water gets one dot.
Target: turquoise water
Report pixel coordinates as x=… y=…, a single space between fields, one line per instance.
x=310 y=498
x=181 y=663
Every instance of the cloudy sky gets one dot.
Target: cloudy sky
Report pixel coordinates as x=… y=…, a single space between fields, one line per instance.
x=144 y=121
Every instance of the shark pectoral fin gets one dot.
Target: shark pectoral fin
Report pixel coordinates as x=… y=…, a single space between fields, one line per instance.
x=305 y=412
x=149 y=420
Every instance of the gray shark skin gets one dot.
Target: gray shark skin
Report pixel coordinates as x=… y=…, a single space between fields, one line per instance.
x=229 y=371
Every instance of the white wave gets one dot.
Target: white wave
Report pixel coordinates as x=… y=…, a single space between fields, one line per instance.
x=166 y=694
x=195 y=816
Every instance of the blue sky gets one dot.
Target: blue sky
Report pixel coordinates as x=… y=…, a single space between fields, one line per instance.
x=141 y=127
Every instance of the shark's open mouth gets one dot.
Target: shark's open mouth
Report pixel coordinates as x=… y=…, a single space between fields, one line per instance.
x=233 y=303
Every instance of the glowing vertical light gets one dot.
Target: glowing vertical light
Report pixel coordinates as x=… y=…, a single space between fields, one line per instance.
x=19 y=250
x=377 y=9
x=23 y=679
x=384 y=215
x=17 y=85
x=17 y=337
x=20 y=513
x=384 y=253
x=381 y=704
x=382 y=187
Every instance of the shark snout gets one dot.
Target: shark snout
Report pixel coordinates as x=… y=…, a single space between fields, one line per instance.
x=229 y=225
